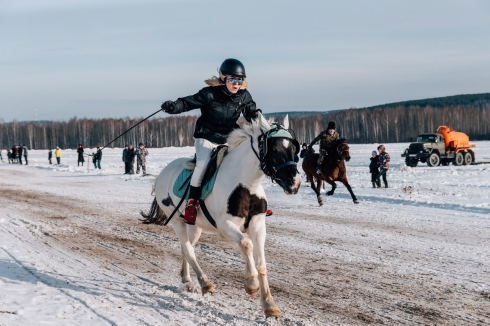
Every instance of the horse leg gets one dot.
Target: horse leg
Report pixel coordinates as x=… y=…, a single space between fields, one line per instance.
x=257 y=233
x=316 y=188
x=349 y=188
x=194 y=233
x=189 y=255
x=231 y=232
x=334 y=186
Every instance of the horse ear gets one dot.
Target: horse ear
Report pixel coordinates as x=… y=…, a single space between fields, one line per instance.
x=264 y=125
x=286 y=122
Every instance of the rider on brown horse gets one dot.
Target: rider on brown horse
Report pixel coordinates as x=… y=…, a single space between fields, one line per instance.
x=326 y=139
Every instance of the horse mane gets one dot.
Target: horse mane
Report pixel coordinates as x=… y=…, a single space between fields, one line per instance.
x=238 y=136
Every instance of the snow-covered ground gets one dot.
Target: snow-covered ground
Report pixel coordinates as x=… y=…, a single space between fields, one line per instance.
x=72 y=251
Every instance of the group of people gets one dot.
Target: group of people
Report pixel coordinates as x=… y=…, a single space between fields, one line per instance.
x=57 y=154
x=15 y=155
x=380 y=163
x=128 y=156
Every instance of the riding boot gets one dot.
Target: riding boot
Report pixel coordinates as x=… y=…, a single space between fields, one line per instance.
x=192 y=206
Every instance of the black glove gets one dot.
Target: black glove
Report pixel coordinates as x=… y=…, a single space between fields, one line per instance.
x=167 y=106
x=253 y=115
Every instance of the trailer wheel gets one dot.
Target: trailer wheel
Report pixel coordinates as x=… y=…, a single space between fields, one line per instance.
x=433 y=160
x=468 y=158
x=458 y=159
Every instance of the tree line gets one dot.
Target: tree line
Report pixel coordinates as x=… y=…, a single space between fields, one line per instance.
x=383 y=124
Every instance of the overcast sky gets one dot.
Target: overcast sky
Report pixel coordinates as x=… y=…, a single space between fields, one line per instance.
x=117 y=58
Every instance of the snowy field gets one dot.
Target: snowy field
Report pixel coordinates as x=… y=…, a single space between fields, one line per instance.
x=72 y=251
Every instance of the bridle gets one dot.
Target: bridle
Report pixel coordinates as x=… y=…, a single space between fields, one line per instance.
x=276 y=131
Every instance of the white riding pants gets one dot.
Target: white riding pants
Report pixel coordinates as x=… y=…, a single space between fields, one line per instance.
x=203 y=153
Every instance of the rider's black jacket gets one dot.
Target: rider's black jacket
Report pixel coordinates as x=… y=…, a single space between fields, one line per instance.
x=220 y=110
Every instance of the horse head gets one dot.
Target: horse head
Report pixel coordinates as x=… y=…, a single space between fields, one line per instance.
x=343 y=149
x=278 y=155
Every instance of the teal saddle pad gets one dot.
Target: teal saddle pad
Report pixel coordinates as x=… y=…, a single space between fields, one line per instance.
x=184 y=179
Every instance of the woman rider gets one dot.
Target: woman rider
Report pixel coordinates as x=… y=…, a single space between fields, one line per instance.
x=221 y=104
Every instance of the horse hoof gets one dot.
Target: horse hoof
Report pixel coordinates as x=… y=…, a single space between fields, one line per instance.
x=329 y=193
x=272 y=312
x=320 y=203
x=356 y=201
x=252 y=292
x=208 y=288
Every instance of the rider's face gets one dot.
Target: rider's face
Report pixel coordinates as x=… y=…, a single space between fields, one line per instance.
x=233 y=87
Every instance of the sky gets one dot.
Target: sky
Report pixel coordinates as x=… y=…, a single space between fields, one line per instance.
x=120 y=58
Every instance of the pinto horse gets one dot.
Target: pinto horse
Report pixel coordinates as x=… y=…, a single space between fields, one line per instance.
x=237 y=203
x=333 y=169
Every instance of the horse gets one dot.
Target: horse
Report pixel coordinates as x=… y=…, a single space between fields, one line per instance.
x=237 y=203
x=333 y=169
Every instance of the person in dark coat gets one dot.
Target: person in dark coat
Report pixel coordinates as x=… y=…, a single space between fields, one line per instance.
x=221 y=104
x=10 y=157
x=94 y=159
x=130 y=159
x=98 y=157
x=374 y=167
x=125 y=158
x=15 y=154
x=304 y=150
x=24 y=151
x=50 y=156
x=81 y=159
x=326 y=139
x=20 y=153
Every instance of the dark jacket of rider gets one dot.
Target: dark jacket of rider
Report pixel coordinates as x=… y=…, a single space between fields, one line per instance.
x=326 y=141
x=220 y=110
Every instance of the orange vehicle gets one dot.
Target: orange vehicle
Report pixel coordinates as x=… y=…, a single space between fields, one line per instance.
x=443 y=147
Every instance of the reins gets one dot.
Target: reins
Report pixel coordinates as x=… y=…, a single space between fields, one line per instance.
x=148 y=117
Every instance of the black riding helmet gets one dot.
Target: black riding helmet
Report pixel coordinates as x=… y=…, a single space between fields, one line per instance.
x=232 y=67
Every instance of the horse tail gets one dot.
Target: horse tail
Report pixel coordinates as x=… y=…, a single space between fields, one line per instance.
x=155 y=215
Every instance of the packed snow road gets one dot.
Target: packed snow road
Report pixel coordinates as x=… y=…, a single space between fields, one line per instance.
x=72 y=251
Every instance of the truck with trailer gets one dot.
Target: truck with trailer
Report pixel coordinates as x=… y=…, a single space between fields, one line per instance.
x=443 y=147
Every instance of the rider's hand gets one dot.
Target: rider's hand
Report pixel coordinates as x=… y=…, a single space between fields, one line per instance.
x=167 y=106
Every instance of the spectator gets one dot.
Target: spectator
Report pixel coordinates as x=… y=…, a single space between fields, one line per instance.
x=374 y=167
x=15 y=154
x=24 y=150
x=98 y=157
x=57 y=154
x=141 y=155
x=80 y=154
x=50 y=156
x=125 y=159
x=130 y=158
x=1 y=157
x=304 y=150
x=384 y=165
x=20 y=153
x=94 y=159
x=10 y=157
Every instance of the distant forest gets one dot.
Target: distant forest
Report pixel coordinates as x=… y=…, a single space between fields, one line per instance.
x=387 y=123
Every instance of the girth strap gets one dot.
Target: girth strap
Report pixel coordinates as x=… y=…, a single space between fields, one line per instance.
x=206 y=213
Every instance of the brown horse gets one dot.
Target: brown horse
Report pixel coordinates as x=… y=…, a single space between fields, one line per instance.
x=333 y=169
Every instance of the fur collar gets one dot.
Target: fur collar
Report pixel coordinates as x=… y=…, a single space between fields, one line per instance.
x=215 y=81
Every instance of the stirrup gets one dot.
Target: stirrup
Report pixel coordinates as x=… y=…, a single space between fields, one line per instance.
x=191 y=210
x=318 y=170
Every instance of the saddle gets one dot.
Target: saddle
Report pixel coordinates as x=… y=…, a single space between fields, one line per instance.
x=210 y=173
